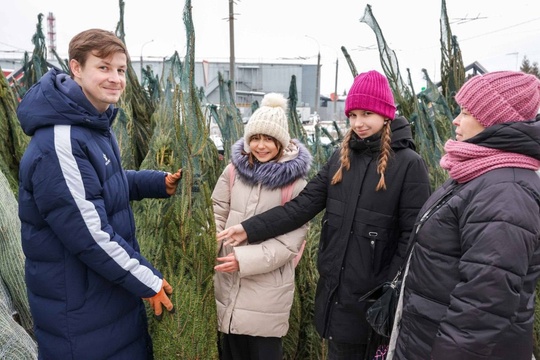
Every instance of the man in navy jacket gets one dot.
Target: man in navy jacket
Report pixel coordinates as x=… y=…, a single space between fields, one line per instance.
x=84 y=271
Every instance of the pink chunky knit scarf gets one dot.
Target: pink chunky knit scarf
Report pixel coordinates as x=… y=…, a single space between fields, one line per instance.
x=465 y=161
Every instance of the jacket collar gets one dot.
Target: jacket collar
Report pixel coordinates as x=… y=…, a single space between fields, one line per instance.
x=56 y=99
x=293 y=164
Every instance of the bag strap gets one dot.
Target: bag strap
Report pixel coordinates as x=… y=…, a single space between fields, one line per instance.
x=231 y=177
x=287 y=192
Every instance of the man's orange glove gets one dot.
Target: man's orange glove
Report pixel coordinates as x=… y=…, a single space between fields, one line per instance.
x=160 y=299
x=171 y=182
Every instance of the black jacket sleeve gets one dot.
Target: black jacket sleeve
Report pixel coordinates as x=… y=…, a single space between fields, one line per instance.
x=415 y=191
x=293 y=214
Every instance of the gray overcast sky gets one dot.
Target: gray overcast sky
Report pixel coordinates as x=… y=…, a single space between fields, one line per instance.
x=502 y=34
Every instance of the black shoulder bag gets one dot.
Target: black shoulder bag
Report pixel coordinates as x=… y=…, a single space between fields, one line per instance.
x=381 y=314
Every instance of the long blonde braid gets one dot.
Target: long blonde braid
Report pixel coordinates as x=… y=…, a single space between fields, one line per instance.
x=344 y=158
x=386 y=150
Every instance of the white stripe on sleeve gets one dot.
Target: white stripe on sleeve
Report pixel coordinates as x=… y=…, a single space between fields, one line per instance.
x=74 y=182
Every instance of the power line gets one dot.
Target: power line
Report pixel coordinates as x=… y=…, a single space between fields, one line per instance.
x=11 y=46
x=499 y=30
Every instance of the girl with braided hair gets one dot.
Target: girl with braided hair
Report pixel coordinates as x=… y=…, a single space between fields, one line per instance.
x=372 y=189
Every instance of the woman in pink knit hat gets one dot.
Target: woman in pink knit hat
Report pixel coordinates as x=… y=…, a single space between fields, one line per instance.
x=371 y=189
x=469 y=289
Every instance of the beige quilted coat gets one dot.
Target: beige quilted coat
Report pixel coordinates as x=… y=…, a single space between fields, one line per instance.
x=256 y=300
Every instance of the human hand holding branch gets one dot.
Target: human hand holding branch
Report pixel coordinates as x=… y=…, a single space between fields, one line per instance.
x=171 y=181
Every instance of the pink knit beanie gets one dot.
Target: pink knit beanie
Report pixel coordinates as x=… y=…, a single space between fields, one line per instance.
x=500 y=97
x=371 y=91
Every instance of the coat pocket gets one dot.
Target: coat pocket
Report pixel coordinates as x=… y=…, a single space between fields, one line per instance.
x=377 y=240
x=379 y=251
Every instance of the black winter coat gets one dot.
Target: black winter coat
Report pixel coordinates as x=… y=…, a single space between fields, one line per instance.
x=469 y=290
x=364 y=232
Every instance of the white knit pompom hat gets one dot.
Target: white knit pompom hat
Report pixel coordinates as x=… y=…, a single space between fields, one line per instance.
x=269 y=119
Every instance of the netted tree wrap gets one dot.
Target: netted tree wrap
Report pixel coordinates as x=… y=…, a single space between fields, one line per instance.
x=133 y=124
x=352 y=67
x=178 y=235
x=64 y=63
x=134 y=121
x=390 y=65
x=151 y=84
x=429 y=113
x=296 y=130
x=432 y=128
x=303 y=341
x=11 y=254
x=5 y=299
x=13 y=141
x=36 y=66
x=227 y=117
x=15 y=342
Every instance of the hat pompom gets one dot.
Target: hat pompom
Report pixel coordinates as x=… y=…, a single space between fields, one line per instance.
x=269 y=119
x=274 y=100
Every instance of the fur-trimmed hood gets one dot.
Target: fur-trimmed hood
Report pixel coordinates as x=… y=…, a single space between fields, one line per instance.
x=293 y=164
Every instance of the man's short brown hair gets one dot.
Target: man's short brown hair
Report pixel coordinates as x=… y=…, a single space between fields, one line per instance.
x=98 y=42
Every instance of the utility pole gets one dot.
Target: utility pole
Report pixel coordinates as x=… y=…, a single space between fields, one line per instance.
x=318 y=80
x=335 y=90
x=318 y=85
x=231 y=44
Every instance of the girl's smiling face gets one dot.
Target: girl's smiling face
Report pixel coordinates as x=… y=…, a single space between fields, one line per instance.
x=264 y=147
x=366 y=123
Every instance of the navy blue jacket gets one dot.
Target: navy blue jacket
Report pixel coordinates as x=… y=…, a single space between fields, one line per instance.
x=84 y=273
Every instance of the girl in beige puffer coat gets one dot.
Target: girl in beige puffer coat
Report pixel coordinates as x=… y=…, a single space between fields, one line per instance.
x=254 y=284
